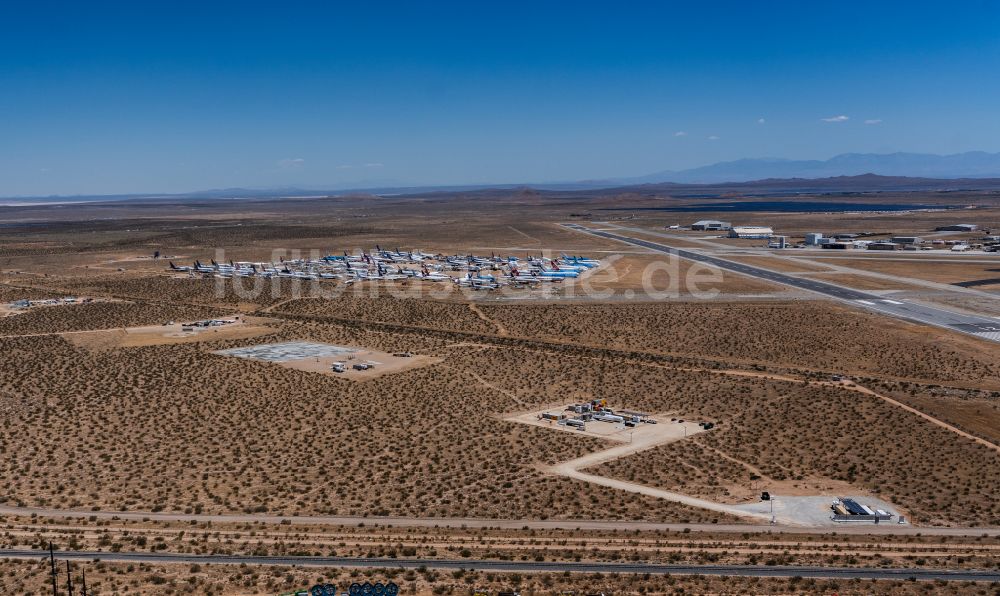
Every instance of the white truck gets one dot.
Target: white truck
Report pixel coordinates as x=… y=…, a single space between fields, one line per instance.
x=608 y=418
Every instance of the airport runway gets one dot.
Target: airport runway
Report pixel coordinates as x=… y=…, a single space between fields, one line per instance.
x=518 y=566
x=983 y=327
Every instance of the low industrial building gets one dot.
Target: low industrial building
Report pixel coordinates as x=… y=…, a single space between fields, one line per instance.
x=957 y=228
x=905 y=240
x=710 y=225
x=749 y=232
x=882 y=246
x=838 y=245
x=813 y=238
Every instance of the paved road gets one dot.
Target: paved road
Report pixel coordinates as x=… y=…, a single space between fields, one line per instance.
x=979 y=326
x=519 y=566
x=473 y=522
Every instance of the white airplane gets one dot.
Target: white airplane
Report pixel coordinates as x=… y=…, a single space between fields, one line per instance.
x=477 y=283
x=434 y=275
x=179 y=269
x=203 y=268
x=587 y=263
x=383 y=274
x=518 y=279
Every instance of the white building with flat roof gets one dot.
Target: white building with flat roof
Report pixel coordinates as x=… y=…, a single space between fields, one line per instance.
x=710 y=225
x=750 y=232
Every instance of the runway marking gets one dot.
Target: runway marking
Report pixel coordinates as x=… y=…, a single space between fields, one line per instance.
x=916 y=313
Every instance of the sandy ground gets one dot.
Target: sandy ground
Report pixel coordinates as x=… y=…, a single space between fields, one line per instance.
x=790 y=509
x=938 y=270
x=385 y=364
x=862 y=282
x=781 y=263
x=637 y=275
x=641 y=438
x=925 y=416
x=154 y=335
x=382 y=363
x=815 y=510
x=450 y=522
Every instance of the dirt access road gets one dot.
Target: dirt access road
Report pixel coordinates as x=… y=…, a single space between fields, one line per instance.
x=646 y=437
x=473 y=522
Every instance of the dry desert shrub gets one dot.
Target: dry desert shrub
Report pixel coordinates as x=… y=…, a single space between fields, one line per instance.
x=10 y=293
x=404 y=311
x=787 y=431
x=687 y=467
x=189 y=290
x=175 y=428
x=98 y=315
x=31 y=577
x=806 y=334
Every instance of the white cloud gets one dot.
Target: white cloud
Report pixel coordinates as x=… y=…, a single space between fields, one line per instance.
x=346 y=167
x=374 y=165
x=713 y=138
x=840 y=118
x=874 y=121
x=761 y=121
x=680 y=133
x=291 y=163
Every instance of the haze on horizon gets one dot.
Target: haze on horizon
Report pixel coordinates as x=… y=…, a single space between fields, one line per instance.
x=105 y=98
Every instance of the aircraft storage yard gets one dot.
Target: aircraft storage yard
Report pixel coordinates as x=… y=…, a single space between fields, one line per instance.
x=499 y=299
x=475 y=272
x=607 y=401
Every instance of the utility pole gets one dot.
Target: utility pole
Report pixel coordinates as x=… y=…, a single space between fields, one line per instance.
x=52 y=561
x=69 y=580
x=84 y=588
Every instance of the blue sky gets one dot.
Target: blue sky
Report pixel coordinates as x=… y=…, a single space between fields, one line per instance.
x=102 y=97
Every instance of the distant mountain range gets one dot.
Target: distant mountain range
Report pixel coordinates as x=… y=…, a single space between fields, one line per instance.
x=846 y=172
x=973 y=164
